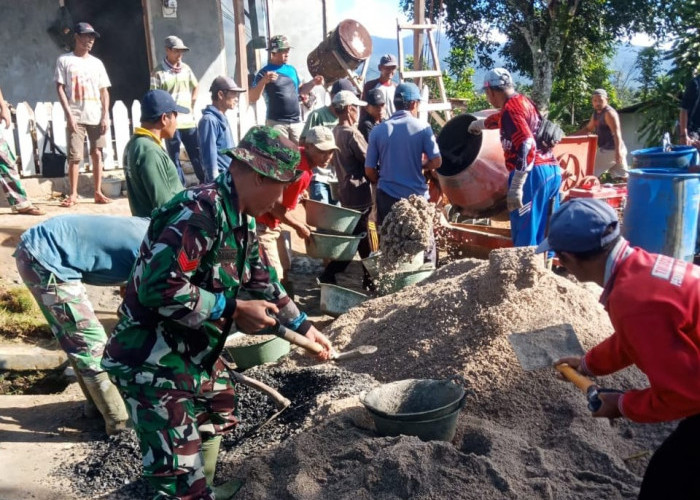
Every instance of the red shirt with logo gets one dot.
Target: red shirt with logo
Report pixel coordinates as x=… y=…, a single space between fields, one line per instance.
x=654 y=306
x=292 y=193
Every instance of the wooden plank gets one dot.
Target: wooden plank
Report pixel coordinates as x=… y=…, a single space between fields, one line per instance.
x=122 y=132
x=58 y=127
x=135 y=115
x=24 y=135
x=108 y=151
x=402 y=69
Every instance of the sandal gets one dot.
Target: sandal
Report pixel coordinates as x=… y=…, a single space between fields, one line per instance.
x=103 y=200
x=31 y=210
x=68 y=202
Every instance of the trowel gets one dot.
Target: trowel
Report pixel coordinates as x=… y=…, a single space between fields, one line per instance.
x=541 y=348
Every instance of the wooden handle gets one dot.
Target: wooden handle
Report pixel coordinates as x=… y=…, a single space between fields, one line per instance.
x=298 y=339
x=279 y=399
x=575 y=377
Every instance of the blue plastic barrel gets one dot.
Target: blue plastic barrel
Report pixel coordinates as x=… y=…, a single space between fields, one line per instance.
x=661 y=215
x=678 y=157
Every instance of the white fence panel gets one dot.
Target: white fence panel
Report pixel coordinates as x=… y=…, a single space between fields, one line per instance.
x=108 y=151
x=58 y=127
x=135 y=115
x=42 y=119
x=24 y=138
x=122 y=129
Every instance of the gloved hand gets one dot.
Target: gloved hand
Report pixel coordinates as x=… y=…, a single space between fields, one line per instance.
x=514 y=200
x=476 y=126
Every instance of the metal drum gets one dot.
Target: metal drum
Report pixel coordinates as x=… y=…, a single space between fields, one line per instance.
x=350 y=41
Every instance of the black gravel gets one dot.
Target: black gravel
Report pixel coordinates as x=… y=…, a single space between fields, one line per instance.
x=113 y=465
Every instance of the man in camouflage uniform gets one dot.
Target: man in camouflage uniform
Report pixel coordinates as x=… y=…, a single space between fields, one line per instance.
x=199 y=251
x=54 y=259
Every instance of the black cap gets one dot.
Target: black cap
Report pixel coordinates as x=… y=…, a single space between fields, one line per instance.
x=375 y=97
x=85 y=29
x=225 y=83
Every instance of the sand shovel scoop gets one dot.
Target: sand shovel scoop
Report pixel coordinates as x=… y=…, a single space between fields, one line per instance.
x=541 y=348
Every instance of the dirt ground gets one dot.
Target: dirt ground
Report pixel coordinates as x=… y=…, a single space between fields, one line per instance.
x=39 y=433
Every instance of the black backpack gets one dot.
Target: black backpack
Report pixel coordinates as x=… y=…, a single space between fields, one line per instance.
x=548 y=134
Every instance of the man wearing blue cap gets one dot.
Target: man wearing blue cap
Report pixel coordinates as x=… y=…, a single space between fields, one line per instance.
x=151 y=176
x=535 y=175
x=398 y=145
x=654 y=304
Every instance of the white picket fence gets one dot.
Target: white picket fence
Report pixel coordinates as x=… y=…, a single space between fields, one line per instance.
x=33 y=124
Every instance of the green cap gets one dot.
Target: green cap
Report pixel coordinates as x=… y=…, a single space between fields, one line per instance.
x=269 y=153
x=279 y=42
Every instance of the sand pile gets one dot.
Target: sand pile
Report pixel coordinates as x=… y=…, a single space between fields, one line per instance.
x=521 y=435
x=406 y=230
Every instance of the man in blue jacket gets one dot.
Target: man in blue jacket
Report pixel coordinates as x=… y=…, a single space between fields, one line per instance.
x=214 y=130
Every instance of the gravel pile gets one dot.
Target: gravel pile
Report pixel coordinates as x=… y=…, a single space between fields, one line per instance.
x=521 y=434
x=406 y=230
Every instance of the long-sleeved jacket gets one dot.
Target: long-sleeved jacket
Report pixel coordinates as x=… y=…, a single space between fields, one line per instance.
x=197 y=247
x=214 y=135
x=654 y=305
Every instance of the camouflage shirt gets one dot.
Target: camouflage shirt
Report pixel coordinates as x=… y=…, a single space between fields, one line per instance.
x=198 y=245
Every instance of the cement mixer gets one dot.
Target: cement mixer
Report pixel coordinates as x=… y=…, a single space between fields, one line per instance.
x=343 y=50
x=473 y=174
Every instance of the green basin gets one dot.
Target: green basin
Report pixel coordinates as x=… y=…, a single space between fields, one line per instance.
x=257 y=354
x=391 y=283
x=332 y=246
x=336 y=300
x=331 y=217
x=371 y=263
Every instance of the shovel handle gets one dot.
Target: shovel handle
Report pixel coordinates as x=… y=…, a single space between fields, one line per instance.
x=580 y=381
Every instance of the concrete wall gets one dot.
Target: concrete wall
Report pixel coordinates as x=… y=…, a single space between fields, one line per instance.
x=630 y=123
x=302 y=22
x=27 y=53
x=198 y=23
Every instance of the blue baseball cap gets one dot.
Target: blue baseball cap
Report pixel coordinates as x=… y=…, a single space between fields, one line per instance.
x=581 y=225
x=407 y=92
x=155 y=103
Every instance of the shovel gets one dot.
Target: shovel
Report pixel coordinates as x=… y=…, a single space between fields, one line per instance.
x=541 y=348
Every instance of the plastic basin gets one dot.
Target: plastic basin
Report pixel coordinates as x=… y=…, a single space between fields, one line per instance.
x=332 y=246
x=336 y=300
x=392 y=283
x=331 y=217
x=111 y=187
x=424 y=408
x=415 y=399
x=678 y=157
x=258 y=354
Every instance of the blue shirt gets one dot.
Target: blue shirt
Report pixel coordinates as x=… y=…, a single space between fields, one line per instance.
x=214 y=135
x=95 y=249
x=398 y=145
x=282 y=95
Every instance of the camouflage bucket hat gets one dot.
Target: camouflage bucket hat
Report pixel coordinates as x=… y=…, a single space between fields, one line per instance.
x=279 y=42
x=269 y=153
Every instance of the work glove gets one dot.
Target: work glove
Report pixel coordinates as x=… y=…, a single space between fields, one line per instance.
x=514 y=200
x=476 y=126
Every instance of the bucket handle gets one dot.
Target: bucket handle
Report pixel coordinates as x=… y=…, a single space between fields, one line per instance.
x=461 y=382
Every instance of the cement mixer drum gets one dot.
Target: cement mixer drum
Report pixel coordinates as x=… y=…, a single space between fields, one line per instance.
x=350 y=41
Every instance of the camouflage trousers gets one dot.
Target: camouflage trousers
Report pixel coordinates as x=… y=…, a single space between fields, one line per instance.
x=67 y=309
x=9 y=178
x=171 y=425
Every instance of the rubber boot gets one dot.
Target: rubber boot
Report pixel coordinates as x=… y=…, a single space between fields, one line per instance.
x=108 y=401
x=210 y=454
x=89 y=408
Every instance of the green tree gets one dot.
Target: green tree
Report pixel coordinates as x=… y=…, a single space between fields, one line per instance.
x=648 y=64
x=543 y=33
x=660 y=112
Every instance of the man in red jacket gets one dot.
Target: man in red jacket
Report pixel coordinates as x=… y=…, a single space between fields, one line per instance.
x=654 y=305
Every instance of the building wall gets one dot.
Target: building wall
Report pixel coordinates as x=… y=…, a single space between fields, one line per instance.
x=27 y=53
x=630 y=123
x=198 y=23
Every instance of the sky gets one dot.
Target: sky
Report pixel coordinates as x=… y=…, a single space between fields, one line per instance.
x=379 y=18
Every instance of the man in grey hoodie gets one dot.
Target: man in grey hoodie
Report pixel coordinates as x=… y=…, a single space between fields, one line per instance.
x=214 y=131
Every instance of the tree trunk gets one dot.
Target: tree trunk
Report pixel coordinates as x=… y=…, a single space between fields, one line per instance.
x=543 y=77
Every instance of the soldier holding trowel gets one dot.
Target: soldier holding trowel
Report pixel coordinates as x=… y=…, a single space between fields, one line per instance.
x=654 y=306
x=199 y=251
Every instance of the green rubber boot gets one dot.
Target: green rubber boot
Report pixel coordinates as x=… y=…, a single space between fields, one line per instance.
x=108 y=400
x=210 y=454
